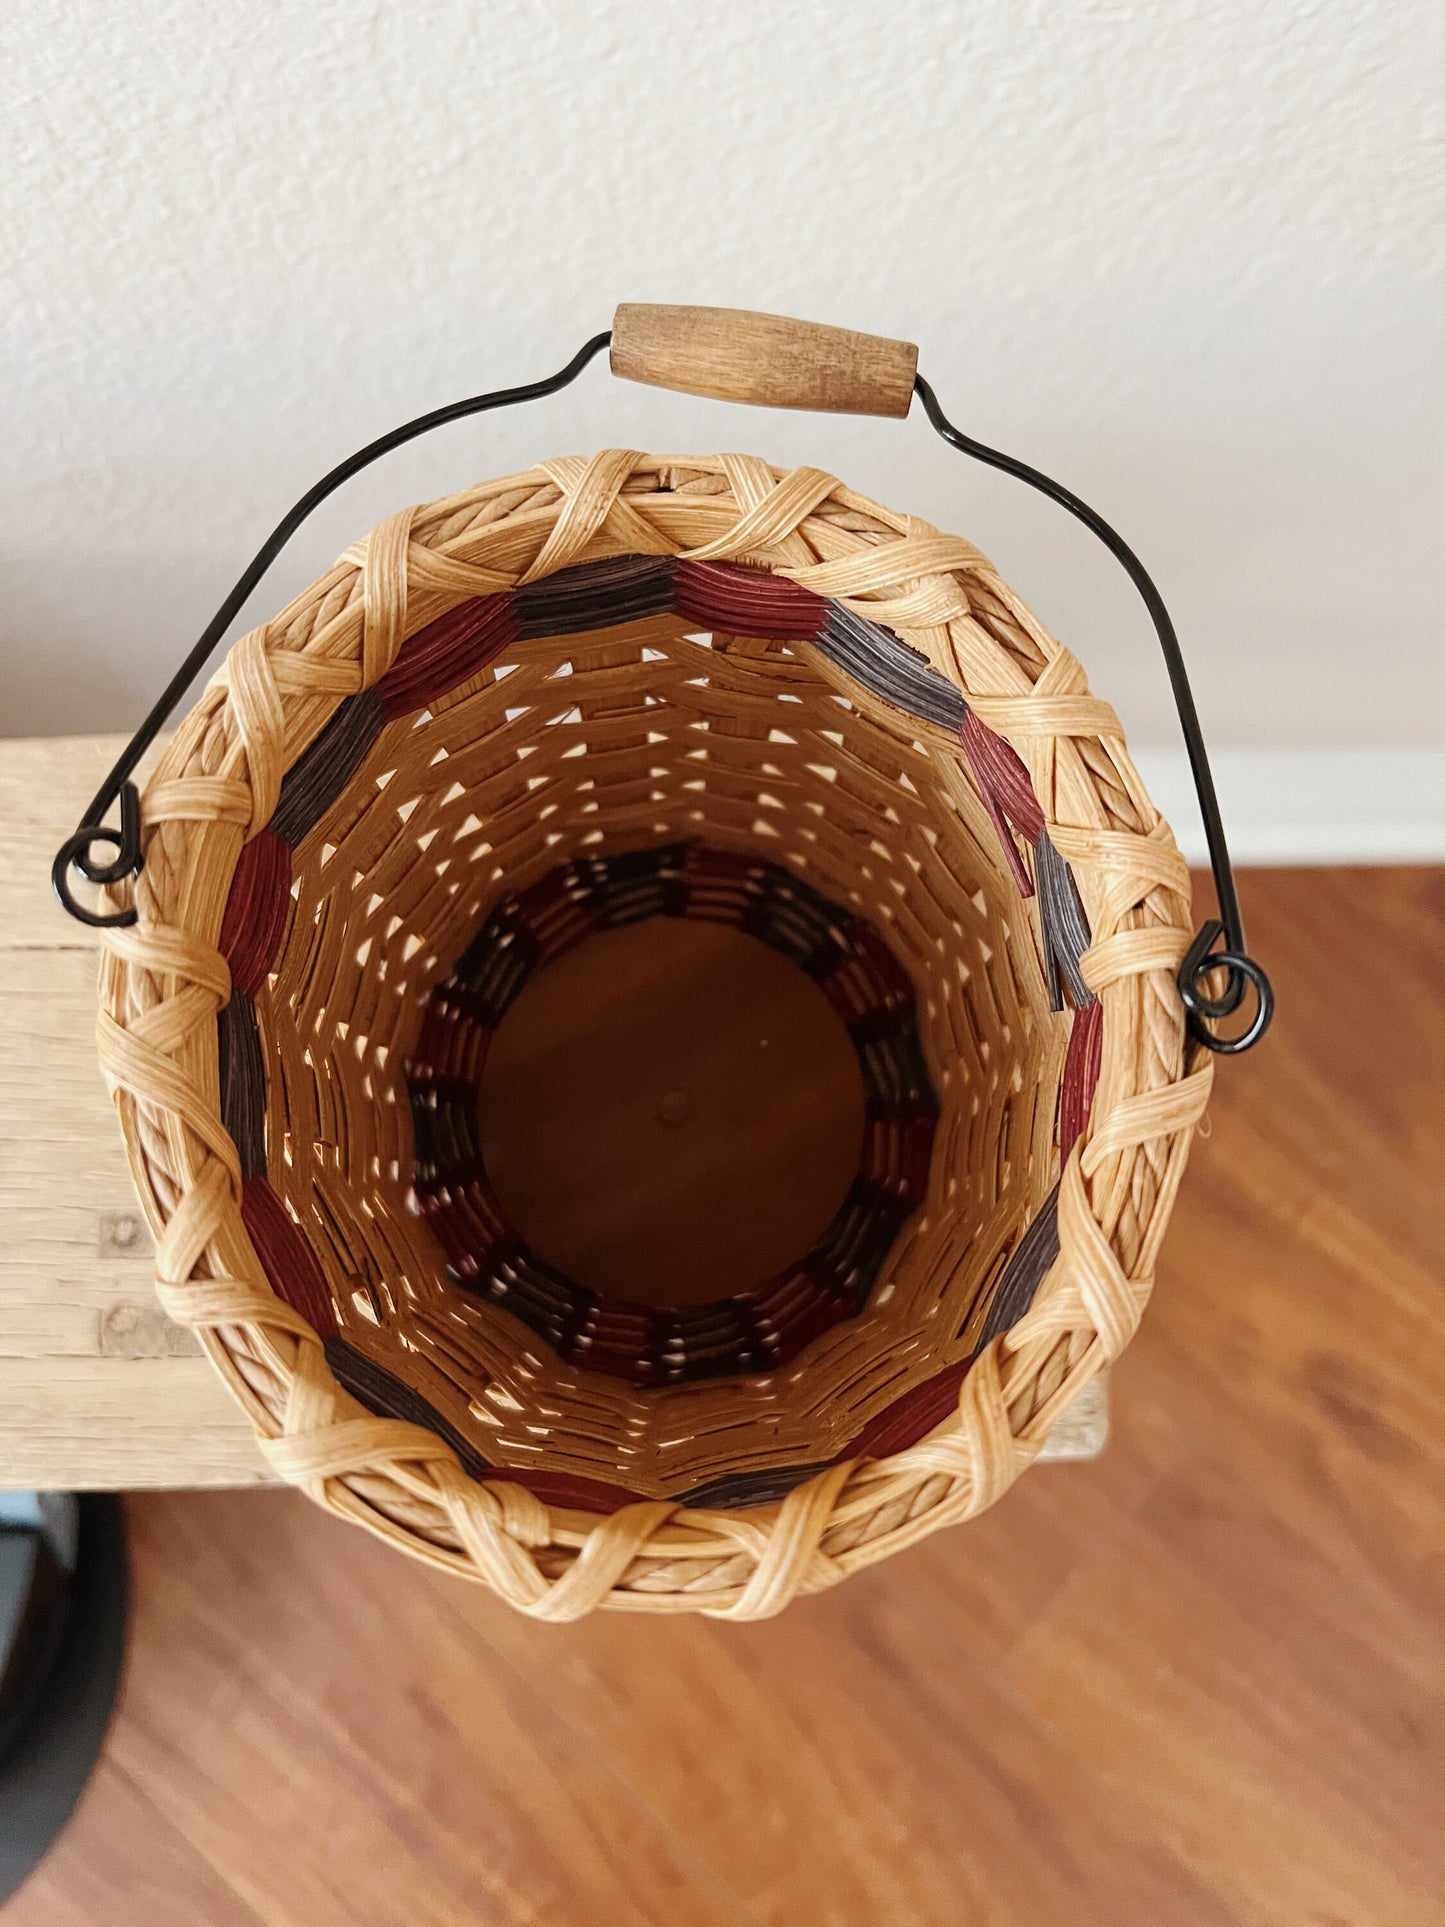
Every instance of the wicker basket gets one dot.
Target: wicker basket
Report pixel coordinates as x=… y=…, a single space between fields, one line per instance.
x=600 y=690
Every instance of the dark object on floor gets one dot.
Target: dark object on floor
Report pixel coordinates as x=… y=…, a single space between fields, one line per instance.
x=64 y=1600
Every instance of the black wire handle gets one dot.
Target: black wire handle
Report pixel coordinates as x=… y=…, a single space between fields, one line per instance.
x=1203 y=958
x=78 y=852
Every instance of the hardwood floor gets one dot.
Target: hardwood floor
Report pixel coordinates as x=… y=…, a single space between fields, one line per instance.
x=1197 y=1683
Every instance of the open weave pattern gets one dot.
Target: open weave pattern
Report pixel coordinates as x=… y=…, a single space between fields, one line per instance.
x=577 y=746
x=164 y=981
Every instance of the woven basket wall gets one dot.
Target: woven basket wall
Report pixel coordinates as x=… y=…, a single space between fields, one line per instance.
x=601 y=690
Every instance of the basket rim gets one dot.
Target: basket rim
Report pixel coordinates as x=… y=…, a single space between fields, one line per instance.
x=163 y=981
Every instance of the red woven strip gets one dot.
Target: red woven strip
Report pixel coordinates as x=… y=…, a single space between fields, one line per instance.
x=468 y=1224
x=286 y=1258
x=571 y=1491
x=1007 y=794
x=1006 y=776
x=746 y=602
x=446 y=652
x=1081 y=1074
x=256 y=910
x=788 y=1294
x=868 y=980
x=898 y=1152
x=557 y=913
x=450 y=1044
x=703 y=864
x=911 y=1417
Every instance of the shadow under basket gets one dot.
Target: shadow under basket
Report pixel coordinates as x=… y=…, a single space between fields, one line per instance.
x=595 y=693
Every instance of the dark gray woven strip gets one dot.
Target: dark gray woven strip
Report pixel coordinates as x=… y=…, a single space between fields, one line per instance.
x=1064 y=923
x=495 y=964
x=1025 y=1271
x=386 y=1396
x=243 y=1082
x=751 y=1488
x=315 y=780
x=895 y=1071
x=885 y=664
x=860 y=1237
x=595 y=595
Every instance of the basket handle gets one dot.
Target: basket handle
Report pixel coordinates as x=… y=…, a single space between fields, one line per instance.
x=733 y=355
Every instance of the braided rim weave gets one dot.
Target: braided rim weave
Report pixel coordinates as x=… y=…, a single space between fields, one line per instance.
x=164 y=980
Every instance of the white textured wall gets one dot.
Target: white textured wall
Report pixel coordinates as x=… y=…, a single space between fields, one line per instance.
x=1187 y=255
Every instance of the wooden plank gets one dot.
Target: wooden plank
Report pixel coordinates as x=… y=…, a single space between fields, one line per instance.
x=97 y=1388
x=322 y=1807
x=1255 y=1659
x=120 y=1845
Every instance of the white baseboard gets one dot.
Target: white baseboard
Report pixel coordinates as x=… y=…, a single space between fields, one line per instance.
x=1310 y=806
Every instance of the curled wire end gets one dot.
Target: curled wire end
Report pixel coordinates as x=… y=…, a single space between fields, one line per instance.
x=1200 y=962
x=77 y=854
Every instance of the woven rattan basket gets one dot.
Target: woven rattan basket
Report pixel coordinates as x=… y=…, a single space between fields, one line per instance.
x=600 y=690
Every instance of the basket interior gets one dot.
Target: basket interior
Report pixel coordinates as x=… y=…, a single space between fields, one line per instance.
x=616 y=740
x=756 y=1326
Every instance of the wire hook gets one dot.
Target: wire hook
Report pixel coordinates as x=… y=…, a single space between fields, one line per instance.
x=1202 y=958
x=77 y=854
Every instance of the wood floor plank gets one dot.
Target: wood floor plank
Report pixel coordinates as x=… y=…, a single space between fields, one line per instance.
x=830 y=1731
x=1257 y=1657
x=1285 y=1763
x=955 y=1805
x=336 y=1745
x=121 y=1860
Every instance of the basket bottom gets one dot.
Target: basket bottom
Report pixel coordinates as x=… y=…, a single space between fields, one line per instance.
x=671 y=1113
x=716 y=1079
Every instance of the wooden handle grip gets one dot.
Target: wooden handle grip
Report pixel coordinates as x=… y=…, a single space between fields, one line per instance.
x=732 y=354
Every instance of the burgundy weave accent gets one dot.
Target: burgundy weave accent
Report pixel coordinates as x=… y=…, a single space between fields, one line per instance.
x=1081 y=1075
x=898 y=1150
x=1007 y=793
x=453 y=1040
x=571 y=1491
x=449 y=651
x=255 y=915
x=285 y=1256
x=909 y=1418
x=746 y=602
x=867 y=985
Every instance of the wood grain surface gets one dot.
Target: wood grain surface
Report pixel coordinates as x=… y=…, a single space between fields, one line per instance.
x=733 y=354
x=97 y=1388
x=1197 y=1683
